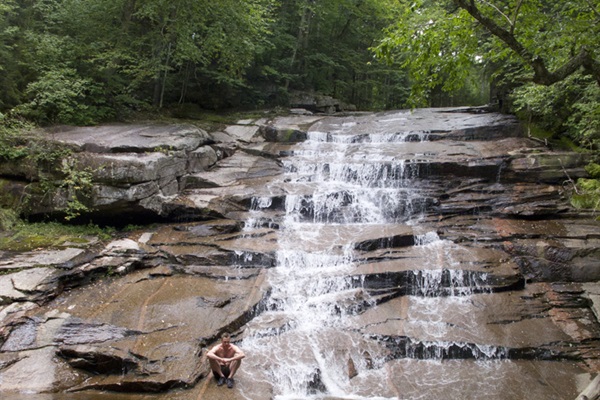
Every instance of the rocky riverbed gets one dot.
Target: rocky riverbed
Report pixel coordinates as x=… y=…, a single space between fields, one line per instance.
x=133 y=318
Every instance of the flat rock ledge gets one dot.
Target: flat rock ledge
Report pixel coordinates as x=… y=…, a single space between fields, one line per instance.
x=137 y=314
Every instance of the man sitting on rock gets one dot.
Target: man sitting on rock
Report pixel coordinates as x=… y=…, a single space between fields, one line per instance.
x=225 y=359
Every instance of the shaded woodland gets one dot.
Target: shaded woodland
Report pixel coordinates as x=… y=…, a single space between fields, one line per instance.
x=84 y=62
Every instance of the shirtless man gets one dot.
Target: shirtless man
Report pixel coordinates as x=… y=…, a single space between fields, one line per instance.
x=225 y=359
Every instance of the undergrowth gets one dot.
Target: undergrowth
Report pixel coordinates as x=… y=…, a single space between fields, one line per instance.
x=27 y=236
x=587 y=190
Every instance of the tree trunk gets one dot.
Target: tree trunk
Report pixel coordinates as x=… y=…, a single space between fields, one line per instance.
x=541 y=74
x=301 y=39
x=164 y=80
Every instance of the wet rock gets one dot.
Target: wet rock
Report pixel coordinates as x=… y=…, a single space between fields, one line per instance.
x=516 y=380
x=592 y=391
x=548 y=261
x=523 y=327
x=314 y=102
x=77 y=331
x=28 y=285
x=23 y=337
x=31 y=280
x=352 y=372
x=316 y=385
x=14 y=310
x=592 y=292
x=100 y=360
x=535 y=201
x=57 y=258
x=300 y=111
x=201 y=159
x=280 y=135
x=133 y=168
x=122 y=246
x=36 y=371
x=459 y=281
x=244 y=133
x=546 y=166
x=501 y=130
x=210 y=228
x=231 y=171
x=162 y=352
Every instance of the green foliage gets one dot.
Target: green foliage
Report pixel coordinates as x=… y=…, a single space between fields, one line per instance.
x=8 y=219
x=594 y=170
x=441 y=43
x=24 y=236
x=589 y=185
x=61 y=96
x=79 y=183
x=167 y=150
x=323 y=46
x=11 y=71
x=12 y=145
x=47 y=158
x=438 y=47
x=86 y=61
x=570 y=107
x=588 y=195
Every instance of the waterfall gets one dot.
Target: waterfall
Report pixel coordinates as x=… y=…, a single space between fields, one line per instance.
x=337 y=184
x=435 y=281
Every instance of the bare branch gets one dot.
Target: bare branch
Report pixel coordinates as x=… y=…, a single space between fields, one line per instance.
x=515 y=16
x=574 y=185
x=499 y=11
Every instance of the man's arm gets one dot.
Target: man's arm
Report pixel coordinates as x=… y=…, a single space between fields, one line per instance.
x=212 y=354
x=238 y=355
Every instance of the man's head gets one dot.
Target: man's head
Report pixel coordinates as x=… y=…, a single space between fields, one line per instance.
x=226 y=339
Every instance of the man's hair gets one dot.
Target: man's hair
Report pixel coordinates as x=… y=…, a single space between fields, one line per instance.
x=225 y=335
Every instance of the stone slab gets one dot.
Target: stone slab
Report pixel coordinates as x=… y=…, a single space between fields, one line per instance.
x=38 y=258
x=130 y=137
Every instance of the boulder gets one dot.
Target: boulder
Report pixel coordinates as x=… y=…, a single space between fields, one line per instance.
x=314 y=102
x=131 y=138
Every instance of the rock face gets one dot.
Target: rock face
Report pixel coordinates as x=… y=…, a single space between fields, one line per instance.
x=467 y=253
x=317 y=103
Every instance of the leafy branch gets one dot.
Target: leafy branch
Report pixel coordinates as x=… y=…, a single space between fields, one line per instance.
x=79 y=183
x=542 y=75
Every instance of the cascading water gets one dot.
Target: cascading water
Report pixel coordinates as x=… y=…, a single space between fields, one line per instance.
x=338 y=184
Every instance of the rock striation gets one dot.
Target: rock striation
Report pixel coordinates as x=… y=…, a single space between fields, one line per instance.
x=137 y=314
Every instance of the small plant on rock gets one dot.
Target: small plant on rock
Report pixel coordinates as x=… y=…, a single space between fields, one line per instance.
x=587 y=193
x=79 y=183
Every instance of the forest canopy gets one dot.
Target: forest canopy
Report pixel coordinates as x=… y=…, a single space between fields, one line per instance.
x=84 y=61
x=88 y=61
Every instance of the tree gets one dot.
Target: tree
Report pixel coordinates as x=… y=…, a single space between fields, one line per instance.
x=523 y=44
x=12 y=73
x=324 y=46
x=549 y=40
x=89 y=59
x=568 y=54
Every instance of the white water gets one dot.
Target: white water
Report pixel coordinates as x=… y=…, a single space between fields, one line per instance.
x=302 y=345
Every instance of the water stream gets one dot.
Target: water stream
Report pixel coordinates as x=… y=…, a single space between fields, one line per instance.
x=340 y=186
x=337 y=184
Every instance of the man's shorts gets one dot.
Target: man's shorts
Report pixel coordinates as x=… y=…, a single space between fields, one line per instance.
x=225 y=370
